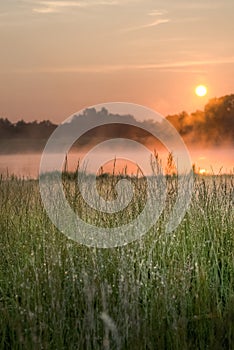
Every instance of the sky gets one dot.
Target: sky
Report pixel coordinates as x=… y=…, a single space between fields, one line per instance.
x=58 y=57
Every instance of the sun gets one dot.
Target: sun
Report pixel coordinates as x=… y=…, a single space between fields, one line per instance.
x=202 y=171
x=201 y=90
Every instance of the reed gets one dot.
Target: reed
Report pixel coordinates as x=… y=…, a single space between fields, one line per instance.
x=161 y=292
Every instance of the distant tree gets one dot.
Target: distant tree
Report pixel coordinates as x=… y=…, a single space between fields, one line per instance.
x=219 y=117
x=6 y=128
x=214 y=125
x=103 y=112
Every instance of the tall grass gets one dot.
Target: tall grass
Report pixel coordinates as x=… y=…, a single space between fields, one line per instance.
x=164 y=291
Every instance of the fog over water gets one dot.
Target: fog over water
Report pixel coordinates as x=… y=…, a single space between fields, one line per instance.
x=208 y=135
x=206 y=161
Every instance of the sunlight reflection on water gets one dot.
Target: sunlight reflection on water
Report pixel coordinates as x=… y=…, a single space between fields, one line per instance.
x=27 y=165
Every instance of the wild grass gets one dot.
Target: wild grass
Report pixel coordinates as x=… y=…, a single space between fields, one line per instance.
x=164 y=291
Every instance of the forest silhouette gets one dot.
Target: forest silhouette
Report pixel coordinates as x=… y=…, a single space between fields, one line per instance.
x=212 y=127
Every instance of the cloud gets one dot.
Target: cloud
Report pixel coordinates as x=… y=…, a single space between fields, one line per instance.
x=45 y=10
x=157 y=13
x=170 y=66
x=155 y=23
x=58 y=6
x=147 y=25
x=184 y=70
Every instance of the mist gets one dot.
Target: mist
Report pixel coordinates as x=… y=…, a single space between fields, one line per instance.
x=212 y=127
x=208 y=135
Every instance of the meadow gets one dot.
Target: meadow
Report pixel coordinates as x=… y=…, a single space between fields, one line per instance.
x=164 y=291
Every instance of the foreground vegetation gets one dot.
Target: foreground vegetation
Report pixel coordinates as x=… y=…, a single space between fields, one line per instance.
x=162 y=292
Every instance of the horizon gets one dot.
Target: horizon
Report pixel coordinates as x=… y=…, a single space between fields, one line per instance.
x=77 y=113
x=209 y=143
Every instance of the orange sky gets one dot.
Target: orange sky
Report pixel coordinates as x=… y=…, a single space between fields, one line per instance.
x=60 y=56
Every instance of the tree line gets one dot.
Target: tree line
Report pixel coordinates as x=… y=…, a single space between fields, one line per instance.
x=212 y=126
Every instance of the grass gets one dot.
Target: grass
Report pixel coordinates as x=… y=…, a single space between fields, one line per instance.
x=161 y=292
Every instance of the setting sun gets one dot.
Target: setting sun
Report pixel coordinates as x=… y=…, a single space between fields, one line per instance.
x=201 y=90
x=202 y=171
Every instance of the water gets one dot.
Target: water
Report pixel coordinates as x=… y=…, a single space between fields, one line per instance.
x=206 y=161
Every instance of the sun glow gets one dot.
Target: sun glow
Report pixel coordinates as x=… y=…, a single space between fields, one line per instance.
x=202 y=171
x=201 y=90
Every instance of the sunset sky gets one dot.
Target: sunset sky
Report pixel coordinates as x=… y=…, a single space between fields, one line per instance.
x=60 y=56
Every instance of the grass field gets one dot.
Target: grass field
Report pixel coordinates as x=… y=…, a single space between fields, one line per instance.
x=164 y=291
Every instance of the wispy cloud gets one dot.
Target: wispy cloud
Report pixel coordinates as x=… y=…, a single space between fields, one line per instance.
x=157 y=13
x=172 y=66
x=155 y=23
x=45 y=10
x=147 y=25
x=58 y=6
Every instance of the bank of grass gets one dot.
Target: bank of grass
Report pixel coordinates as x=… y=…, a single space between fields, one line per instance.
x=164 y=291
